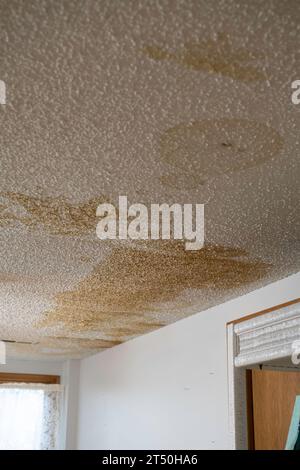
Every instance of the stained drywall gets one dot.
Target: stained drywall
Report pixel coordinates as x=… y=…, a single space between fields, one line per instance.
x=202 y=150
x=125 y=295
x=53 y=214
x=162 y=102
x=215 y=56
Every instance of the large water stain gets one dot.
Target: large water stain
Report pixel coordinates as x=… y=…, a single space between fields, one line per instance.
x=120 y=295
x=200 y=150
x=214 y=56
x=56 y=215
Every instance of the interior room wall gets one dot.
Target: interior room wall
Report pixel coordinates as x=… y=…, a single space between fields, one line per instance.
x=168 y=389
x=18 y=366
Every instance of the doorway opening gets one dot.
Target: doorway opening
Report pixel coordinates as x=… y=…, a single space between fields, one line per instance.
x=263 y=378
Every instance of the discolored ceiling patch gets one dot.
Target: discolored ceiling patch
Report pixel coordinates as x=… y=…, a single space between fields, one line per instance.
x=56 y=215
x=201 y=150
x=120 y=295
x=214 y=56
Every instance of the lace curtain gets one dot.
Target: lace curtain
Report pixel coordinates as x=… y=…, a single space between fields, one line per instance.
x=30 y=416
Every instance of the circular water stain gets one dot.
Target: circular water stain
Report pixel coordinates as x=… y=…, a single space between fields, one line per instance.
x=202 y=150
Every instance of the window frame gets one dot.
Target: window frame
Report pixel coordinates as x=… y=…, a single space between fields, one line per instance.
x=8 y=377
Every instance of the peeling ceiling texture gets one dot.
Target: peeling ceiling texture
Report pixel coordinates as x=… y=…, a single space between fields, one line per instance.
x=162 y=101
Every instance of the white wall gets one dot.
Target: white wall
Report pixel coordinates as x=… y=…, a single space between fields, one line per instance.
x=18 y=366
x=70 y=379
x=168 y=389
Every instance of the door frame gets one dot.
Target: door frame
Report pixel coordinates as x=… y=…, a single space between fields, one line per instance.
x=253 y=340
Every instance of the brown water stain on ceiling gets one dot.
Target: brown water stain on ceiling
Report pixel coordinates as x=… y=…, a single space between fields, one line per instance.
x=216 y=56
x=201 y=150
x=56 y=214
x=124 y=295
x=120 y=294
x=195 y=153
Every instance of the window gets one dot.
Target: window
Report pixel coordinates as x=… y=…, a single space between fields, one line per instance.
x=30 y=410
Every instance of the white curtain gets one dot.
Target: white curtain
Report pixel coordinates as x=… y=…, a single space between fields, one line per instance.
x=29 y=416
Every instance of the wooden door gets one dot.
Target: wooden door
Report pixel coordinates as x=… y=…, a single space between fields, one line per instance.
x=273 y=398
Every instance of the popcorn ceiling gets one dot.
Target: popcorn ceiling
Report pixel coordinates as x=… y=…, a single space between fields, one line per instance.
x=132 y=284
x=55 y=214
x=232 y=145
x=166 y=101
x=214 y=56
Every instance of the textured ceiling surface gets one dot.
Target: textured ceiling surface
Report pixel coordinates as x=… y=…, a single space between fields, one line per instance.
x=162 y=101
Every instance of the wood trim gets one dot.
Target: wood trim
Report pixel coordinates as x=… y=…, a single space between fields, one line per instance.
x=263 y=312
x=250 y=414
x=29 y=378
